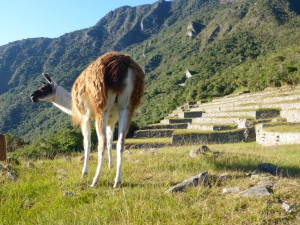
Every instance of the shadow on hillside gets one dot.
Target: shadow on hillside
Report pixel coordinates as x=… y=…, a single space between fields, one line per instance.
x=295 y=6
x=251 y=165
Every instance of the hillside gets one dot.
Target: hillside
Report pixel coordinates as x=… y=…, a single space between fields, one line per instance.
x=225 y=44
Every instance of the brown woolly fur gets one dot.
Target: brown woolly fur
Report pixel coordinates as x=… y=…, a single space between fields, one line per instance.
x=138 y=90
x=107 y=73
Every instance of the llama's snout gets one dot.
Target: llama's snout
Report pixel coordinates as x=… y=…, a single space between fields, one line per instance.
x=34 y=97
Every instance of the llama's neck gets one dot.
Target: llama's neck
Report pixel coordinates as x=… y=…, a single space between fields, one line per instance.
x=63 y=100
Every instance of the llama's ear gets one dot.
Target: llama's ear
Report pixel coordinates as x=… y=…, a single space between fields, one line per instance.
x=48 y=78
x=44 y=83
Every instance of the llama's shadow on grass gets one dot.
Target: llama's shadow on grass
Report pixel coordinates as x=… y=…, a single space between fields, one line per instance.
x=134 y=185
x=84 y=185
x=251 y=165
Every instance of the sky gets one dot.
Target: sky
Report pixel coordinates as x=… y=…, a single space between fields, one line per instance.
x=21 y=19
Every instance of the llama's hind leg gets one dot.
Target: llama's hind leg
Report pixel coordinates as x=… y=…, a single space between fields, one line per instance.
x=112 y=110
x=86 y=133
x=124 y=121
x=101 y=133
x=110 y=136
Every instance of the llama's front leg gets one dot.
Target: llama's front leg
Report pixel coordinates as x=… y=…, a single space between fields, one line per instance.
x=86 y=132
x=122 y=130
x=101 y=133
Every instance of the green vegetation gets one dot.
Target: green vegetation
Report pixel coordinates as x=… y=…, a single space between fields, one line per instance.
x=252 y=110
x=267 y=109
x=242 y=117
x=239 y=55
x=63 y=143
x=147 y=140
x=278 y=119
x=66 y=142
x=186 y=131
x=217 y=124
x=236 y=46
x=14 y=142
x=52 y=191
x=283 y=128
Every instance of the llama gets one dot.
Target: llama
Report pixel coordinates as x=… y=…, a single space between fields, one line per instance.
x=109 y=90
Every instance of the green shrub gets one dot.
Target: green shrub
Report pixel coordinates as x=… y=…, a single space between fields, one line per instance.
x=13 y=142
x=62 y=143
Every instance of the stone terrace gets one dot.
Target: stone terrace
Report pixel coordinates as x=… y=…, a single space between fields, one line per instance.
x=228 y=119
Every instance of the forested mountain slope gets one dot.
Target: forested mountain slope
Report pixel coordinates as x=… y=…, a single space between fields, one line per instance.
x=224 y=44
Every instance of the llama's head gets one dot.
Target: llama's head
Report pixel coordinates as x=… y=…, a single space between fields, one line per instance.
x=46 y=92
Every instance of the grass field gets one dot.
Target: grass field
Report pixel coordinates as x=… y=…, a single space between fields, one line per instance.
x=283 y=128
x=53 y=193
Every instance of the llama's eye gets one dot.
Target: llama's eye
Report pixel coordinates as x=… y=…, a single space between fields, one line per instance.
x=45 y=88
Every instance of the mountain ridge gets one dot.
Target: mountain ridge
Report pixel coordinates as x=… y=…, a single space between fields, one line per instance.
x=222 y=42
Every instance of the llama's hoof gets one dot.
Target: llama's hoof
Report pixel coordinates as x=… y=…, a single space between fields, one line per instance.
x=118 y=184
x=95 y=181
x=84 y=175
x=93 y=184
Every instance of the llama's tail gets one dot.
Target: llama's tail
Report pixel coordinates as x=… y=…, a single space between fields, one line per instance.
x=114 y=69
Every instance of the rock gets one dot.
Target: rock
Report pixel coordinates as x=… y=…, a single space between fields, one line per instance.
x=30 y=165
x=153 y=150
x=13 y=161
x=27 y=204
x=230 y=190
x=223 y=177
x=287 y=207
x=61 y=171
x=266 y=183
x=268 y=168
x=192 y=181
x=216 y=154
x=136 y=161
x=69 y=159
x=143 y=151
x=257 y=191
x=128 y=152
x=149 y=150
x=201 y=150
x=61 y=177
x=204 y=149
x=193 y=29
x=11 y=176
x=8 y=167
x=193 y=153
x=69 y=194
x=249 y=134
x=255 y=176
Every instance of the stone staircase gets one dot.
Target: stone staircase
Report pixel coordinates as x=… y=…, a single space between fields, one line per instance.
x=228 y=119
